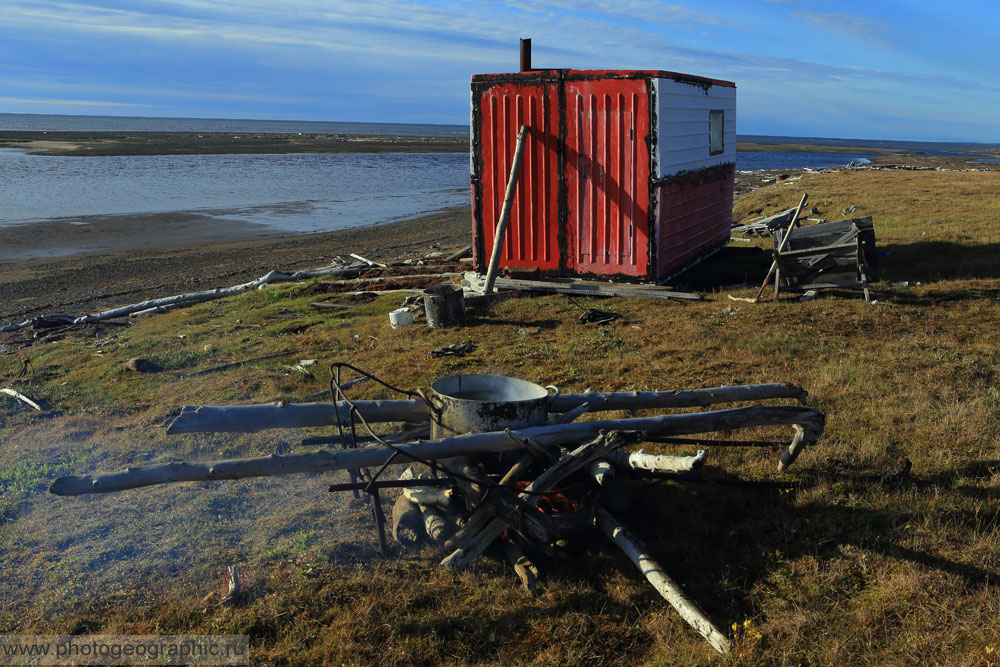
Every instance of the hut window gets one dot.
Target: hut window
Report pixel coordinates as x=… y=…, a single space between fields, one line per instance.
x=715 y=132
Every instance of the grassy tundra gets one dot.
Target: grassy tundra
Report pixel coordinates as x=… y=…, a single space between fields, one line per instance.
x=860 y=565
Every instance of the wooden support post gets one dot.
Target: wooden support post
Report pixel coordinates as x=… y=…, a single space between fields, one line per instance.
x=379 y=516
x=508 y=202
x=863 y=269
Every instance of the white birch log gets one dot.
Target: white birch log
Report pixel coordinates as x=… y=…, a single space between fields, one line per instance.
x=641 y=462
x=661 y=581
x=438 y=528
x=248 y=418
x=427 y=495
x=21 y=397
x=468 y=444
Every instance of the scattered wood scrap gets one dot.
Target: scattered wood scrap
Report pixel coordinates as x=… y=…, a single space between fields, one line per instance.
x=476 y=284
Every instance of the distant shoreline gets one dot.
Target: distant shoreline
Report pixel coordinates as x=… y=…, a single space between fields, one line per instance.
x=66 y=143
x=216 y=143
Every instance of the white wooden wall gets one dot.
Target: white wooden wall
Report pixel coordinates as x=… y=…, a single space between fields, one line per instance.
x=683 y=126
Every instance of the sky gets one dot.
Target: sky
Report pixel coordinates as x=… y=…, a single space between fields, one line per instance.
x=878 y=69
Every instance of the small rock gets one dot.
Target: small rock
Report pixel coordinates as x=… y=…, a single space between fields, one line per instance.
x=140 y=365
x=208 y=347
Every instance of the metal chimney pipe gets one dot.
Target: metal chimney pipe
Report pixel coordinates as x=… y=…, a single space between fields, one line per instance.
x=526 y=54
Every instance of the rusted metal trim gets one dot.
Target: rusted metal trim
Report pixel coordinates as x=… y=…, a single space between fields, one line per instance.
x=701 y=176
x=562 y=196
x=591 y=75
x=652 y=143
x=478 y=90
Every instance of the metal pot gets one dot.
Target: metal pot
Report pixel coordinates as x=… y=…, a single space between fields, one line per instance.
x=479 y=403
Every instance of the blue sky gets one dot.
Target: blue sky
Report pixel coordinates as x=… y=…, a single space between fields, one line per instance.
x=878 y=69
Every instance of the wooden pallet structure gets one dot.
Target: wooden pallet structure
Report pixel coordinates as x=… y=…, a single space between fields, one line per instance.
x=826 y=255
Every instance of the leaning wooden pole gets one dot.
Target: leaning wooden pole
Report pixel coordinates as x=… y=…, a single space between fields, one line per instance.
x=661 y=581
x=781 y=246
x=250 y=418
x=508 y=202
x=810 y=421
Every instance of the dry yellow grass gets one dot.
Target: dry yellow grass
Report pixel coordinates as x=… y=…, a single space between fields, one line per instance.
x=858 y=566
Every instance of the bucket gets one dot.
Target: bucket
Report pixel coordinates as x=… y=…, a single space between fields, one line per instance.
x=444 y=306
x=401 y=317
x=479 y=403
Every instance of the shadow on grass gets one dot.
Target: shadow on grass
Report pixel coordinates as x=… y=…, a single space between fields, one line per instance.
x=719 y=543
x=929 y=261
x=925 y=261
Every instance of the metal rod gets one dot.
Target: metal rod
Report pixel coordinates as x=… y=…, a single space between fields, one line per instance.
x=389 y=484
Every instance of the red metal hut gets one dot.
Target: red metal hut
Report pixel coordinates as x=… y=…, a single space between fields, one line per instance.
x=626 y=174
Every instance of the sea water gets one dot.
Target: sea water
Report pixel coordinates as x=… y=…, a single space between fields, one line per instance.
x=294 y=193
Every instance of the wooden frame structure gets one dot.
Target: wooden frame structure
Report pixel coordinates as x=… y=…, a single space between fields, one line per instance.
x=826 y=255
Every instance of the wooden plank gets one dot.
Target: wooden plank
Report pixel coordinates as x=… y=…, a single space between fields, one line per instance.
x=610 y=289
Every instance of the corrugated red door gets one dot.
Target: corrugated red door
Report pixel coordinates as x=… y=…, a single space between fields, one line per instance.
x=533 y=230
x=607 y=162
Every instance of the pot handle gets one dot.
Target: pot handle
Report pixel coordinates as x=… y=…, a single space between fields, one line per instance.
x=435 y=408
x=553 y=392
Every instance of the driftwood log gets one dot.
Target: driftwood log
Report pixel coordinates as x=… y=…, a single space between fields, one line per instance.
x=407 y=522
x=192 y=298
x=21 y=397
x=810 y=422
x=249 y=418
x=661 y=581
x=567 y=464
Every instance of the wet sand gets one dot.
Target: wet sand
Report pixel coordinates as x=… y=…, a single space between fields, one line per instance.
x=131 y=258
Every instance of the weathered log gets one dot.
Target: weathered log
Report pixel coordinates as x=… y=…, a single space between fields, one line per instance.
x=601 y=470
x=407 y=523
x=661 y=581
x=21 y=397
x=468 y=444
x=641 y=462
x=480 y=518
x=425 y=495
x=567 y=464
x=437 y=526
x=525 y=569
x=690 y=398
x=248 y=418
x=500 y=233
x=504 y=504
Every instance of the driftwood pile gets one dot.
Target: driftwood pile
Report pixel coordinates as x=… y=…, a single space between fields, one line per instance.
x=472 y=491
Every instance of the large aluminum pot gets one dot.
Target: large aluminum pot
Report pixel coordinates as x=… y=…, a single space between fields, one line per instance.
x=479 y=403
